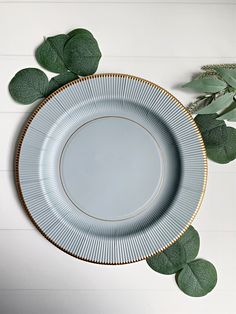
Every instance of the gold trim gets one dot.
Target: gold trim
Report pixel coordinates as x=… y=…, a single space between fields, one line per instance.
x=29 y=120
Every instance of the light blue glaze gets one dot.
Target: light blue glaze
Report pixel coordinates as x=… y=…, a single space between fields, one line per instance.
x=112 y=169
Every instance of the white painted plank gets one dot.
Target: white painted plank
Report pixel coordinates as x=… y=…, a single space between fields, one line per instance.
x=28 y=261
x=220 y=168
x=125 y=29
x=13 y=216
x=169 y=73
x=217 y=212
x=115 y=302
x=10 y=126
x=218 y=208
x=167 y=2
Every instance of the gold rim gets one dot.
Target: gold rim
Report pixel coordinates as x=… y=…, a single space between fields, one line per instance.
x=29 y=120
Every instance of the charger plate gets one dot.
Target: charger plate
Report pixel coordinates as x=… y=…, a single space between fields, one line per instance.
x=111 y=168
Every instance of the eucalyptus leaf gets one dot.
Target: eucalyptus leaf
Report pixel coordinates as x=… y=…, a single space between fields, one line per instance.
x=80 y=31
x=213 y=131
x=169 y=261
x=197 y=278
x=82 y=54
x=220 y=140
x=28 y=85
x=199 y=103
x=230 y=115
x=228 y=109
x=177 y=255
x=228 y=75
x=218 y=104
x=50 y=53
x=191 y=242
x=206 y=85
x=60 y=80
x=225 y=152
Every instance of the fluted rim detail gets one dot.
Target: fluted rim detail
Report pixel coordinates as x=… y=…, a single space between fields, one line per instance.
x=77 y=81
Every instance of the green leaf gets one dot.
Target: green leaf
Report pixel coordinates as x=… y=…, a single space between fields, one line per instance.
x=230 y=114
x=218 y=104
x=28 y=85
x=213 y=131
x=228 y=75
x=60 y=80
x=220 y=140
x=82 y=54
x=197 y=278
x=169 y=261
x=199 y=103
x=177 y=255
x=50 y=53
x=207 y=122
x=225 y=152
x=80 y=31
x=206 y=85
x=191 y=242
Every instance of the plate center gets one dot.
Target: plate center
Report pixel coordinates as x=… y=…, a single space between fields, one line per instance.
x=111 y=168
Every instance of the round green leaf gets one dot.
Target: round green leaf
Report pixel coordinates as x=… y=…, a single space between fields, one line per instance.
x=169 y=261
x=213 y=131
x=50 y=53
x=60 y=80
x=191 y=242
x=28 y=85
x=225 y=152
x=197 y=278
x=206 y=85
x=219 y=103
x=207 y=122
x=82 y=54
x=176 y=256
x=80 y=31
x=220 y=140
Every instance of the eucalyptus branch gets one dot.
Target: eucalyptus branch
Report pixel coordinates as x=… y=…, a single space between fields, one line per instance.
x=214 y=66
x=199 y=103
x=217 y=102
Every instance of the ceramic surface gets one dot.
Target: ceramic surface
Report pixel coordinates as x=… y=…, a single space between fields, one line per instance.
x=111 y=168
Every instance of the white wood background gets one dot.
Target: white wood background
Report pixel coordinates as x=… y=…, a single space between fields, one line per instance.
x=163 y=41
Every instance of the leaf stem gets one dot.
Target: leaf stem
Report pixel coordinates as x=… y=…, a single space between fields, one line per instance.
x=200 y=103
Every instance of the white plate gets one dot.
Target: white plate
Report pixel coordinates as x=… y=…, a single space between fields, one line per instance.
x=111 y=168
